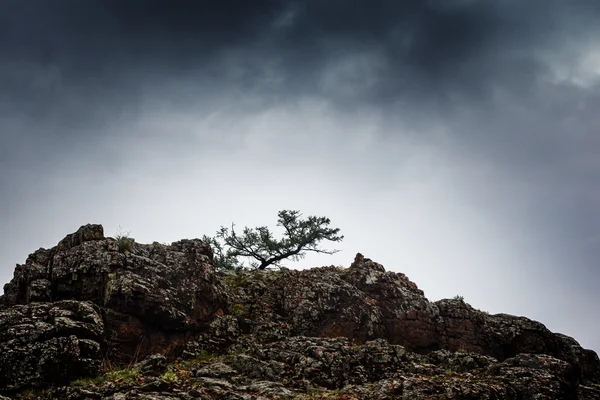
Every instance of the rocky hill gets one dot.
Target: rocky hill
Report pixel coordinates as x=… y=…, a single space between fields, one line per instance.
x=100 y=318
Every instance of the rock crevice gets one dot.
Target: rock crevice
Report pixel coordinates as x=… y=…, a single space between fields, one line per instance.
x=362 y=331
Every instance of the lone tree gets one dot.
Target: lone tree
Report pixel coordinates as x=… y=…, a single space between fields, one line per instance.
x=300 y=236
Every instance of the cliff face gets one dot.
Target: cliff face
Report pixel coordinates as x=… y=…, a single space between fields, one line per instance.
x=91 y=304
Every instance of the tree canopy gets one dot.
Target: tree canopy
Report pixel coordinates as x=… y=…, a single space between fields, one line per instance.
x=299 y=237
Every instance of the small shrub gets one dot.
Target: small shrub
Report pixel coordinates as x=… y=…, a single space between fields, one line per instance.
x=125 y=375
x=124 y=241
x=459 y=298
x=170 y=377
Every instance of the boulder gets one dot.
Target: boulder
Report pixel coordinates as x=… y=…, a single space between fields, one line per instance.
x=151 y=296
x=49 y=343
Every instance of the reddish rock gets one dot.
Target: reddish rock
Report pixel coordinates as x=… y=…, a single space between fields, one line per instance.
x=365 y=302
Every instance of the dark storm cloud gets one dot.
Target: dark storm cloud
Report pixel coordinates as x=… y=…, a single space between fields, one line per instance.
x=70 y=68
x=434 y=51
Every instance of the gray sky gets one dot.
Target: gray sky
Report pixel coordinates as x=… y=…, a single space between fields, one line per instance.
x=456 y=141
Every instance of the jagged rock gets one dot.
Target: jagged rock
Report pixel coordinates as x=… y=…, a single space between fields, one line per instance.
x=216 y=370
x=504 y=336
x=154 y=365
x=364 y=302
x=223 y=331
x=48 y=343
x=356 y=333
x=331 y=368
x=458 y=361
x=328 y=362
x=151 y=296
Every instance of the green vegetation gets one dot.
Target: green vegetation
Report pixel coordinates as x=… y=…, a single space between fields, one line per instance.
x=224 y=260
x=238 y=309
x=299 y=237
x=125 y=375
x=170 y=377
x=234 y=281
x=124 y=241
x=459 y=298
x=202 y=358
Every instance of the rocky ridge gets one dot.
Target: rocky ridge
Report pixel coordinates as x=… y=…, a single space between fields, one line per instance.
x=100 y=318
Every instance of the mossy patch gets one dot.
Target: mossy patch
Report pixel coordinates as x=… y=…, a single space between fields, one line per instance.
x=89 y=381
x=202 y=358
x=170 y=377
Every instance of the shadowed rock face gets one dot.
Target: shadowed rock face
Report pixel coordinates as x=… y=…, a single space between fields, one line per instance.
x=363 y=331
x=47 y=343
x=151 y=296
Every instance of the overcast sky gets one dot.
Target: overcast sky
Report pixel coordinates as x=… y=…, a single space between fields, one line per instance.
x=456 y=141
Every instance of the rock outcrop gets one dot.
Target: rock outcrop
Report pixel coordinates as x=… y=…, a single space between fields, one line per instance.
x=49 y=343
x=93 y=306
x=151 y=296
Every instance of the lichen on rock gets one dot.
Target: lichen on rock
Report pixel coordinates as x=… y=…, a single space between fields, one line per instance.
x=84 y=320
